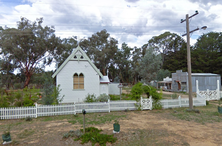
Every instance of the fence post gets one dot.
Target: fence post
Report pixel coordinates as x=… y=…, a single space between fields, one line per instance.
x=36 y=113
x=197 y=86
x=179 y=98
x=74 y=108
x=141 y=102
x=109 y=105
x=151 y=103
x=208 y=97
x=218 y=90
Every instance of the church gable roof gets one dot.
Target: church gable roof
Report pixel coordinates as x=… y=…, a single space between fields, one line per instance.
x=77 y=55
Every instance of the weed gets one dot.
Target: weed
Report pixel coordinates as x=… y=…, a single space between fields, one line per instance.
x=25 y=133
x=138 y=106
x=72 y=133
x=96 y=119
x=206 y=114
x=92 y=134
x=28 y=119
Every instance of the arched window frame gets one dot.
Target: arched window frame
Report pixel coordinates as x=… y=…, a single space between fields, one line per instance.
x=78 y=81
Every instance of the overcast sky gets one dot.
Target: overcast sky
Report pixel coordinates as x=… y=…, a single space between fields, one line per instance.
x=131 y=21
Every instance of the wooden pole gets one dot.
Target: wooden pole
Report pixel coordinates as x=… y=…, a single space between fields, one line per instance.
x=189 y=63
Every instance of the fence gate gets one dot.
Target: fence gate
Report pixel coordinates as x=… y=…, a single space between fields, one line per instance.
x=146 y=103
x=209 y=94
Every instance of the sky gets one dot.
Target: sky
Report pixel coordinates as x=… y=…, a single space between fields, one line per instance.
x=131 y=21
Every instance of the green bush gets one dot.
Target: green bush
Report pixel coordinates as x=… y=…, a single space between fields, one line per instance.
x=92 y=134
x=90 y=98
x=114 y=97
x=28 y=102
x=151 y=91
x=174 y=96
x=3 y=102
x=137 y=91
x=157 y=105
x=103 y=98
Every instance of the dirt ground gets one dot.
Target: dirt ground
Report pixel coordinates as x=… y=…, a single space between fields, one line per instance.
x=171 y=130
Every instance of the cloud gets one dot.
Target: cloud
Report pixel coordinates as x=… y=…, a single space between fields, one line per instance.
x=131 y=21
x=132 y=1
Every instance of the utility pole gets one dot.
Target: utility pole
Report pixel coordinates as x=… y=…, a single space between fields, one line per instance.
x=189 y=56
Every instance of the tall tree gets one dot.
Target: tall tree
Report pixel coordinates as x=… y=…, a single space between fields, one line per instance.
x=176 y=60
x=101 y=49
x=207 y=53
x=135 y=65
x=29 y=46
x=163 y=74
x=65 y=49
x=123 y=63
x=166 y=43
x=150 y=64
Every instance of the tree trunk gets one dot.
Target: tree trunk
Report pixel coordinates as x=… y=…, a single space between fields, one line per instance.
x=104 y=71
x=28 y=78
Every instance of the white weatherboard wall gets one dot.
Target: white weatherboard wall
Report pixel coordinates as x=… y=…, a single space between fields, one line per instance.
x=65 y=80
x=114 y=89
x=104 y=89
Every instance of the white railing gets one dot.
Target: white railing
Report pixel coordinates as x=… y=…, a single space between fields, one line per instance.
x=51 y=110
x=182 y=102
x=209 y=94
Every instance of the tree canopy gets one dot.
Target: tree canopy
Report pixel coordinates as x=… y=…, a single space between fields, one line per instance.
x=101 y=49
x=29 y=46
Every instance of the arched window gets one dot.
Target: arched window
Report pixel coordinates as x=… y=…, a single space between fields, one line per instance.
x=78 y=81
x=81 y=81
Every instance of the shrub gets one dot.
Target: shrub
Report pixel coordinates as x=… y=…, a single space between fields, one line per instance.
x=151 y=91
x=90 y=98
x=72 y=133
x=114 y=97
x=103 y=98
x=3 y=102
x=28 y=102
x=137 y=91
x=28 y=119
x=92 y=134
x=157 y=105
x=138 y=106
x=174 y=96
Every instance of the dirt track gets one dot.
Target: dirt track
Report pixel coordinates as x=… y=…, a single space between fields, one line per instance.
x=171 y=130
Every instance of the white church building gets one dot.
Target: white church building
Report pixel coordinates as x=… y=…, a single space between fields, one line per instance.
x=78 y=77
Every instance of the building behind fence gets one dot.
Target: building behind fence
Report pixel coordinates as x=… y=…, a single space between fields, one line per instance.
x=66 y=109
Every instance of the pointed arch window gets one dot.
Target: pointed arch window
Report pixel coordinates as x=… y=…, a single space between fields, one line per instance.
x=78 y=81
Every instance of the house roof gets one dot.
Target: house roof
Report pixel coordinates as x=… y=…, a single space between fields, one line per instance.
x=104 y=79
x=76 y=55
x=203 y=74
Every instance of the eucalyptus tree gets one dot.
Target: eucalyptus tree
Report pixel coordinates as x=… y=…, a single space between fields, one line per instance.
x=150 y=64
x=101 y=49
x=29 y=46
x=123 y=63
x=207 y=53
x=166 y=43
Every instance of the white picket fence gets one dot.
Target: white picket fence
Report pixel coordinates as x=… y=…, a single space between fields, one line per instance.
x=209 y=94
x=52 y=110
x=182 y=102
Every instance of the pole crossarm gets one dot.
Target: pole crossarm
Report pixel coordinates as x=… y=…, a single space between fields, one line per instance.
x=183 y=20
x=204 y=27
x=191 y=31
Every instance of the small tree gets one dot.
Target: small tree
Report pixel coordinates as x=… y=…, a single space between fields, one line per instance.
x=137 y=91
x=151 y=91
x=51 y=93
x=149 y=65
